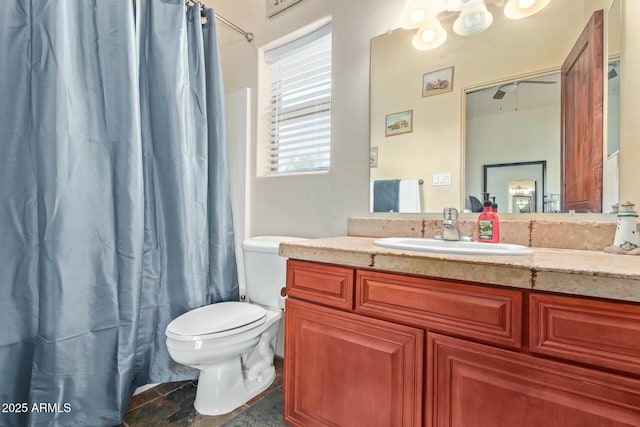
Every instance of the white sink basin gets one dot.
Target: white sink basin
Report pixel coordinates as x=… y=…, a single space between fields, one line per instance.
x=452 y=247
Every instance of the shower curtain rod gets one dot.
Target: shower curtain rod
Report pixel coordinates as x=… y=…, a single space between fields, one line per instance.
x=248 y=36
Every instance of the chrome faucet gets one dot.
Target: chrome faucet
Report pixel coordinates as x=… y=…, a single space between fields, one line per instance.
x=450 y=229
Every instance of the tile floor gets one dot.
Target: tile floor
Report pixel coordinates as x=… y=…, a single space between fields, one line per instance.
x=171 y=404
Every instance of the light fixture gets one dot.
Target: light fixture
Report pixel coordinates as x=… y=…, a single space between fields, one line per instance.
x=518 y=9
x=430 y=35
x=520 y=191
x=474 y=18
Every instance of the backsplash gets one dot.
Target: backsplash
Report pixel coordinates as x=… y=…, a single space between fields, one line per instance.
x=559 y=234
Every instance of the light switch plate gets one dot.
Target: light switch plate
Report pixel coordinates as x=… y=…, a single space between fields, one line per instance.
x=441 y=179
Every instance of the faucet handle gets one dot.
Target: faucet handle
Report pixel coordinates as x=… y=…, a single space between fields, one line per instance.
x=450 y=214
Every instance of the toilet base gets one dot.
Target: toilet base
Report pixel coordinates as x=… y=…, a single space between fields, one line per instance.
x=222 y=388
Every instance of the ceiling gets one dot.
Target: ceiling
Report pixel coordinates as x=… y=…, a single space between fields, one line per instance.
x=516 y=97
x=526 y=96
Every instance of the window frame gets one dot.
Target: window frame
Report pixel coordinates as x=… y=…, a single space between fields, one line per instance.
x=268 y=163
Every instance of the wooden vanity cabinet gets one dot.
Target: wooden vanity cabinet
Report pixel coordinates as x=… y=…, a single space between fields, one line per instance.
x=367 y=348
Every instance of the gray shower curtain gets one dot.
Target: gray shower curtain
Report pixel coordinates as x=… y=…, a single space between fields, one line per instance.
x=114 y=200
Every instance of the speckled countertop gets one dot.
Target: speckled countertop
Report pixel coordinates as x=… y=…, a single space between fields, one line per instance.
x=578 y=272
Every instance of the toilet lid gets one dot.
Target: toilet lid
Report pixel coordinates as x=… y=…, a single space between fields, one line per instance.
x=219 y=317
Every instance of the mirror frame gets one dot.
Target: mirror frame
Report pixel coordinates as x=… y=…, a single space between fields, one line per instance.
x=543 y=174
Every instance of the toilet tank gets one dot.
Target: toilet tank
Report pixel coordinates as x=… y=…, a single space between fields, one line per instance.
x=265 y=270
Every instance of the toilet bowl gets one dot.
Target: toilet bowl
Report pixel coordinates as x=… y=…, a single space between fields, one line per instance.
x=232 y=343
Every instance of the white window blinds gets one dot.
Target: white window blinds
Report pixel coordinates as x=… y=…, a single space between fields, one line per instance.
x=300 y=104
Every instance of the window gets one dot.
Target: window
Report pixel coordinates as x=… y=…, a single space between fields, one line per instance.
x=300 y=104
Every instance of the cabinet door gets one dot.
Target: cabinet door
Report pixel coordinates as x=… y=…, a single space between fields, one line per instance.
x=473 y=385
x=346 y=370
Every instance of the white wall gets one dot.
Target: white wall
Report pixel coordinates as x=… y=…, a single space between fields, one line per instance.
x=629 y=100
x=311 y=205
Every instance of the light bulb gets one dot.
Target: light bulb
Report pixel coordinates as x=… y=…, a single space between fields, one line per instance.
x=518 y=9
x=474 y=19
x=429 y=35
x=415 y=12
x=525 y=4
x=417 y=16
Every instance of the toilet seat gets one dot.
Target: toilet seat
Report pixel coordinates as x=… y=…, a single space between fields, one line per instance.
x=216 y=320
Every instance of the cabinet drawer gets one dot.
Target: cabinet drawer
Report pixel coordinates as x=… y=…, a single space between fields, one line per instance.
x=595 y=332
x=324 y=284
x=487 y=314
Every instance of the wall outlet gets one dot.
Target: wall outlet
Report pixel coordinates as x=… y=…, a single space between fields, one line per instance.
x=441 y=179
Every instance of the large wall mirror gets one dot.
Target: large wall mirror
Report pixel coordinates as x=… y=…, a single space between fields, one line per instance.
x=439 y=117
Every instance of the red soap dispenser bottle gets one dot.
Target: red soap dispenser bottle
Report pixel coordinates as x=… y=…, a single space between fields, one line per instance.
x=487 y=224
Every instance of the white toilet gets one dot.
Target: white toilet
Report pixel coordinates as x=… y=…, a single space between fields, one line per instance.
x=232 y=343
